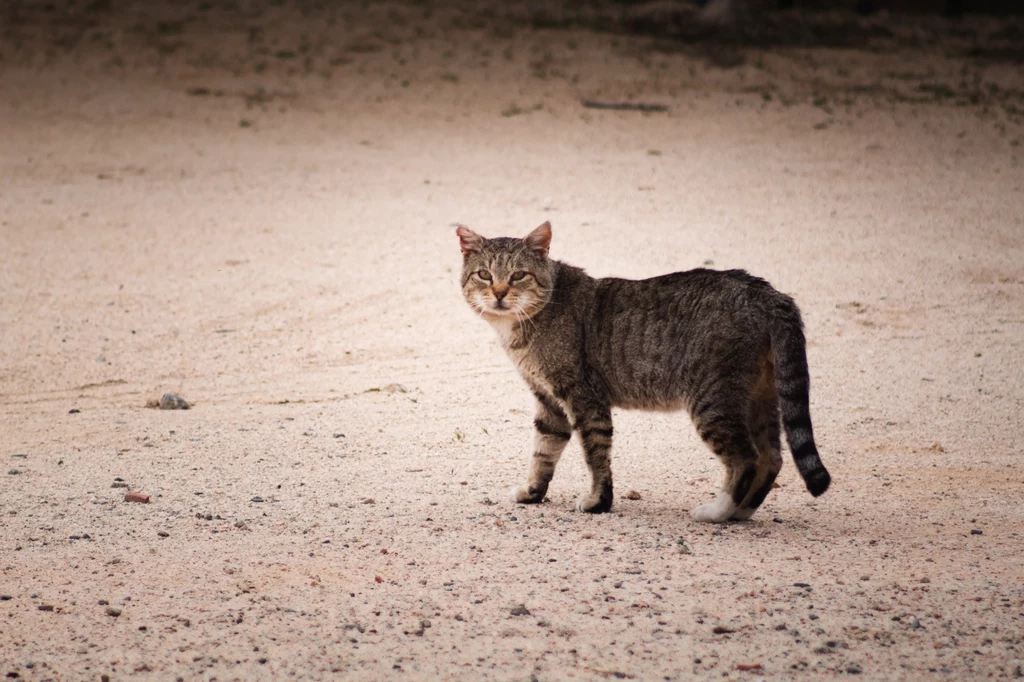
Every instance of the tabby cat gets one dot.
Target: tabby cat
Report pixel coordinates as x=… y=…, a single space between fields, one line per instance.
x=724 y=345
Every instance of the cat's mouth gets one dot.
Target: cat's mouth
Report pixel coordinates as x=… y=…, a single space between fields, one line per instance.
x=498 y=309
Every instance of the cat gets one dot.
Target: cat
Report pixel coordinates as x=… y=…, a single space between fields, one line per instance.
x=723 y=345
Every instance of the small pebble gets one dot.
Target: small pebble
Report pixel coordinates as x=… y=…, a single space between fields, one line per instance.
x=74 y=411
x=369 y=500
x=915 y=623
x=163 y=534
x=13 y=472
x=854 y=669
x=257 y=499
x=113 y=611
x=975 y=532
x=46 y=607
x=632 y=495
x=5 y=597
x=520 y=610
x=173 y=401
x=583 y=608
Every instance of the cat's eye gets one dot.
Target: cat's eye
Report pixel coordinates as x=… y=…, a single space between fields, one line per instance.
x=484 y=275
x=517 y=275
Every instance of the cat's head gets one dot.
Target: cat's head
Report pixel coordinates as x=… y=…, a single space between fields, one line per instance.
x=506 y=278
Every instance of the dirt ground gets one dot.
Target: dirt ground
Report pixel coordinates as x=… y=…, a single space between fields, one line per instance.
x=253 y=206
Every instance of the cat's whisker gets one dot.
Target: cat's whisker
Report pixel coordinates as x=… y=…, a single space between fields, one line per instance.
x=527 y=322
x=529 y=318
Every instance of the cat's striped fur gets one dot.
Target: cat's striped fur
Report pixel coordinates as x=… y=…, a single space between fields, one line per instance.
x=723 y=345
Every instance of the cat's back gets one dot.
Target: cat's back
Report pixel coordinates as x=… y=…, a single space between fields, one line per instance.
x=682 y=293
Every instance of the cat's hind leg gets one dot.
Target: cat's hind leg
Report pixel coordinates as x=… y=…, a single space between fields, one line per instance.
x=728 y=437
x=552 y=432
x=765 y=432
x=595 y=426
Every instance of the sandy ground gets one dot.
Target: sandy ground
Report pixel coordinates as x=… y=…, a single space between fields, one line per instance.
x=253 y=208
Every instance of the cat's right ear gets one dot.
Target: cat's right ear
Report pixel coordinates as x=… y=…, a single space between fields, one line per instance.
x=469 y=241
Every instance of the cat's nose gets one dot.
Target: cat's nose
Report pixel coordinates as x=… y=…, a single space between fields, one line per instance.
x=500 y=291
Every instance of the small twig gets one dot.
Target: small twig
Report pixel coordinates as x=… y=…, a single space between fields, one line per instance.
x=624 y=106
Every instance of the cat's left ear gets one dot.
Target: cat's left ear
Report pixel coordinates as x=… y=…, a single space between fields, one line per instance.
x=469 y=241
x=540 y=239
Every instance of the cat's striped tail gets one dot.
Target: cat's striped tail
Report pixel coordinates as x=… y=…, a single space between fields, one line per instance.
x=793 y=384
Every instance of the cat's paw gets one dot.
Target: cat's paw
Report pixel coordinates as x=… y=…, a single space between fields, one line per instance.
x=594 y=504
x=718 y=511
x=521 y=494
x=742 y=514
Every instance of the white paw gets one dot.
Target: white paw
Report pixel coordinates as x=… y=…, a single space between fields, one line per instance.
x=592 y=504
x=718 y=511
x=522 y=495
x=742 y=514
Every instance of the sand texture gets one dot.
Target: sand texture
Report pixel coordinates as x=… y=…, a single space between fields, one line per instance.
x=253 y=207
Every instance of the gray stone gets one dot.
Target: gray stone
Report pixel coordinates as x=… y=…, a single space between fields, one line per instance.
x=173 y=401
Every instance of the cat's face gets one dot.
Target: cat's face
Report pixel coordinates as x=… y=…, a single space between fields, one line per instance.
x=506 y=278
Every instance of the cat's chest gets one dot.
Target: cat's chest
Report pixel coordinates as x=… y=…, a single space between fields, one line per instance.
x=524 y=357
x=530 y=368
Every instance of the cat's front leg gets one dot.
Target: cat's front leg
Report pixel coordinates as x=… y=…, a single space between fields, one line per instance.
x=552 y=432
x=595 y=426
